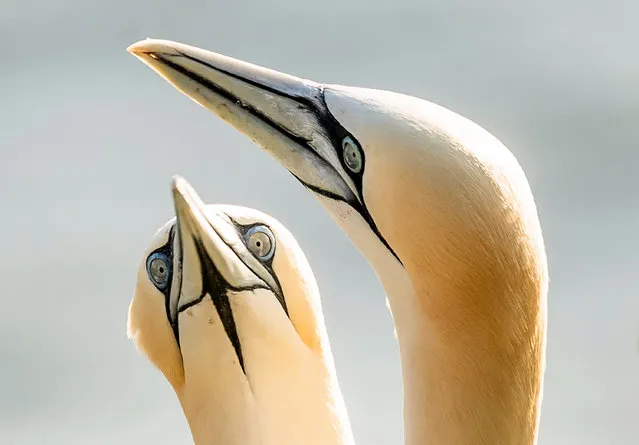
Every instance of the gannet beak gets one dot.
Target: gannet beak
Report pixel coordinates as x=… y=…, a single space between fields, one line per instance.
x=191 y=230
x=210 y=262
x=285 y=115
x=208 y=241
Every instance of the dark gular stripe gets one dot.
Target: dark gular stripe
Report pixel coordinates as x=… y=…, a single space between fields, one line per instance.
x=214 y=285
x=358 y=208
x=334 y=131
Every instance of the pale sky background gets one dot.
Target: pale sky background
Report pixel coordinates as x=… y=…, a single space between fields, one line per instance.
x=90 y=137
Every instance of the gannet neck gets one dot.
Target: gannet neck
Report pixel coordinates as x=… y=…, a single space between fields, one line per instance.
x=485 y=396
x=472 y=355
x=472 y=339
x=276 y=405
x=219 y=407
x=299 y=403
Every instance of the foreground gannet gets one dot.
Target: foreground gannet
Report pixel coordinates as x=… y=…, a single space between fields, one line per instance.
x=226 y=306
x=442 y=211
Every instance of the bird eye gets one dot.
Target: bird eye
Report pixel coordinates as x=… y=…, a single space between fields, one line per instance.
x=352 y=155
x=260 y=242
x=158 y=267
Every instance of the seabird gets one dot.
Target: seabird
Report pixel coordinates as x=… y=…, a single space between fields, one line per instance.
x=441 y=209
x=227 y=308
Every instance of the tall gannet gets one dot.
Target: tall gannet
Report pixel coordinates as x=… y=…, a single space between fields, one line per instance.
x=226 y=306
x=442 y=211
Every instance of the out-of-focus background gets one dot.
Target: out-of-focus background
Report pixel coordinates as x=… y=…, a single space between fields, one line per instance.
x=90 y=137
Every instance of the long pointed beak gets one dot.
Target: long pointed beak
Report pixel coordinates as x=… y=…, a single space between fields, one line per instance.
x=209 y=267
x=287 y=116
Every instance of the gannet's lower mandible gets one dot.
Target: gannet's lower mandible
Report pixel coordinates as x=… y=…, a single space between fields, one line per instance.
x=226 y=306
x=439 y=207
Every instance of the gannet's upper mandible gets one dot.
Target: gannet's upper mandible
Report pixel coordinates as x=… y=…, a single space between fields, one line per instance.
x=440 y=208
x=226 y=306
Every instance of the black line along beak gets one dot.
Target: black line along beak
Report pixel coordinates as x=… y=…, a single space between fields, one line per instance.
x=285 y=115
x=208 y=261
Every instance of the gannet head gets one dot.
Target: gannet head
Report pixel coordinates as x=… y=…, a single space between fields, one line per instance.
x=226 y=306
x=411 y=182
x=440 y=208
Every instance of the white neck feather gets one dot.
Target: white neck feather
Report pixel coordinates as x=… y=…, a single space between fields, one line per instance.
x=472 y=356
x=288 y=396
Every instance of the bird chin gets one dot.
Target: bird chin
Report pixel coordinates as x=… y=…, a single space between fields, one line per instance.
x=360 y=234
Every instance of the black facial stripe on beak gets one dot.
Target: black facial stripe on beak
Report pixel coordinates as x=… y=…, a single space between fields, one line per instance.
x=233 y=99
x=214 y=285
x=334 y=131
x=299 y=99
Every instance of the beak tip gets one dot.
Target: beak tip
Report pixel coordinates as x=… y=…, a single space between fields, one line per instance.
x=138 y=47
x=176 y=179
x=183 y=193
x=152 y=46
x=178 y=185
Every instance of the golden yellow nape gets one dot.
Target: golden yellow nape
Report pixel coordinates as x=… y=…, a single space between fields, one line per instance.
x=440 y=208
x=227 y=308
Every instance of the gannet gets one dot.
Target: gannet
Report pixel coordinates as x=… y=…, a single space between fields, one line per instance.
x=441 y=209
x=227 y=308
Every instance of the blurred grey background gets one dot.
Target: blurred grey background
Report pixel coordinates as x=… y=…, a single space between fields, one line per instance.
x=89 y=139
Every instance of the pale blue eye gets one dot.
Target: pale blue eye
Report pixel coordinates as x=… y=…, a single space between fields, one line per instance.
x=352 y=155
x=158 y=267
x=260 y=242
